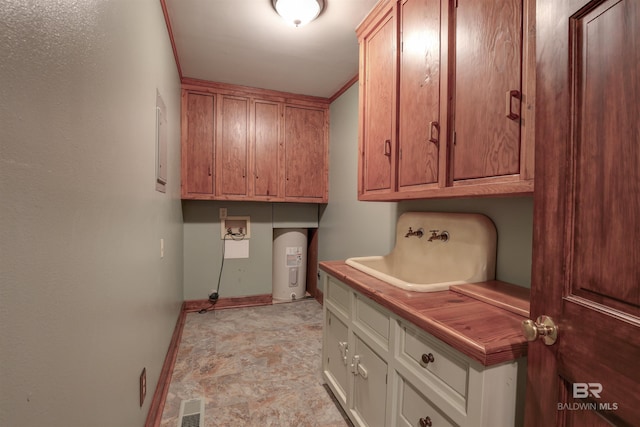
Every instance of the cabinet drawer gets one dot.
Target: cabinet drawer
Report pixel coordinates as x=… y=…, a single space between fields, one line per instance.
x=338 y=294
x=435 y=363
x=373 y=319
x=414 y=409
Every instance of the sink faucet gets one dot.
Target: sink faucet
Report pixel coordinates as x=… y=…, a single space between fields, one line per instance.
x=444 y=236
x=419 y=232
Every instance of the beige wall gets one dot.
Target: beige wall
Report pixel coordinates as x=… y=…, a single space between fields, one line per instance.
x=352 y=228
x=85 y=299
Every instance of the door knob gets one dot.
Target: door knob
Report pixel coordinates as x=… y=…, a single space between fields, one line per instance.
x=543 y=327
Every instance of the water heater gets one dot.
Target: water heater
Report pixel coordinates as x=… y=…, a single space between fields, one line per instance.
x=289 y=264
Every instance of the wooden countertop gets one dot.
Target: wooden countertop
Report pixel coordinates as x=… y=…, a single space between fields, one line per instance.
x=481 y=320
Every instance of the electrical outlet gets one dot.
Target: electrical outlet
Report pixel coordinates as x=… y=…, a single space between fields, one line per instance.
x=223 y=213
x=143 y=385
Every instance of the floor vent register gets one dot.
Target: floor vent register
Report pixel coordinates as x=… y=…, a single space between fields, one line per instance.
x=191 y=413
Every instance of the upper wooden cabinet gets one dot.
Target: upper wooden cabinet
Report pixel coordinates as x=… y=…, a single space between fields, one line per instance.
x=306 y=167
x=446 y=99
x=243 y=143
x=378 y=66
x=198 y=132
x=232 y=146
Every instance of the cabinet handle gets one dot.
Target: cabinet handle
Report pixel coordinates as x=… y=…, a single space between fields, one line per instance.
x=434 y=126
x=427 y=358
x=344 y=351
x=357 y=368
x=209 y=169
x=512 y=94
x=362 y=371
x=387 y=148
x=425 y=422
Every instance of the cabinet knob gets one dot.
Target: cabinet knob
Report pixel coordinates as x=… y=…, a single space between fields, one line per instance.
x=425 y=422
x=427 y=358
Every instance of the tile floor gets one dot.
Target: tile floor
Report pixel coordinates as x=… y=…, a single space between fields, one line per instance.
x=257 y=366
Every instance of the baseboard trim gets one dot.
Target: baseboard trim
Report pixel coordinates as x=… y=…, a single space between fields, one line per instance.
x=154 y=417
x=231 y=302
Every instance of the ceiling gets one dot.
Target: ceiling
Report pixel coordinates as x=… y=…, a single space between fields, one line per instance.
x=245 y=42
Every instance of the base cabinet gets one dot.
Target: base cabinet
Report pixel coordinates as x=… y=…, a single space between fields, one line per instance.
x=385 y=371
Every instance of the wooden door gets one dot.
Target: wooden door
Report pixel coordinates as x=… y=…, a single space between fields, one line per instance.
x=305 y=142
x=197 y=144
x=419 y=96
x=586 y=267
x=266 y=148
x=378 y=96
x=488 y=68
x=232 y=146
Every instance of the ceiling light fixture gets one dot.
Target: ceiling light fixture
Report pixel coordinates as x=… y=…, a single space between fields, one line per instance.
x=298 y=12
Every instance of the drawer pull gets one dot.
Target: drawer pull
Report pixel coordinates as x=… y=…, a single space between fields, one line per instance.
x=357 y=368
x=387 y=148
x=434 y=126
x=427 y=358
x=344 y=351
x=509 y=112
x=425 y=422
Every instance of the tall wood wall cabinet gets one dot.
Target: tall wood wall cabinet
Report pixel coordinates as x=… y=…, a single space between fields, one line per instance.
x=446 y=99
x=249 y=144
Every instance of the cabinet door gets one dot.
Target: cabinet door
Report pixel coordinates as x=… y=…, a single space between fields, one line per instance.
x=197 y=144
x=305 y=140
x=419 y=98
x=369 y=385
x=232 y=146
x=266 y=148
x=337 y=355
x=487 y=88
x=378 y=57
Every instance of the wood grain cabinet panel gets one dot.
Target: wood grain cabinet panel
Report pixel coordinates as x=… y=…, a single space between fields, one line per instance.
x=251 y=144
x=377 y=133
x=419 y=95
x=232 y=147
x=198 y=132
x=266 y=148
x=305 y=141
x=487 y=88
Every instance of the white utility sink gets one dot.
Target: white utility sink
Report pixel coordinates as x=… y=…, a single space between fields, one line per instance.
x=434 y=251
